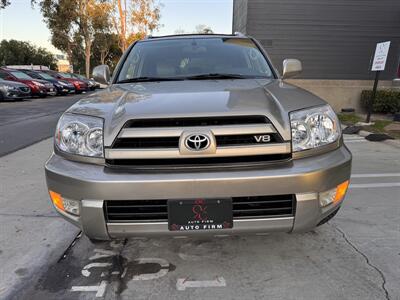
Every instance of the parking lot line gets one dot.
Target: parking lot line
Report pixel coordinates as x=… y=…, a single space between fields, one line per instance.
x=355 y=141
x=374 y=185
x=375 y=175
x=183 y=283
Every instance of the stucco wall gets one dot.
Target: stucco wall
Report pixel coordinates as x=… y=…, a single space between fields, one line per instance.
x=339 y=93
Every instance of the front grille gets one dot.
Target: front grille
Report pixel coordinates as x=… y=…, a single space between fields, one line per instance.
x=161 y=142
x=157 y=210
x=205 y=162
x=173 y=142
x=244 y=139
x=147 y=142
x=24 y=89
x=206 y=121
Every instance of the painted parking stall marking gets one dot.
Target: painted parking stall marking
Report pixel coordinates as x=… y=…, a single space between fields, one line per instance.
x=375 y=175
x=182 y=283
x=99 y=289
x=375 y=184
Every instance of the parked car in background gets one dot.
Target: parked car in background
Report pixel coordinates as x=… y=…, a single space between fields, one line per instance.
x=11 y=90
x=91 y=83
x=80 y=86
x=40 y=88
x=62 y=87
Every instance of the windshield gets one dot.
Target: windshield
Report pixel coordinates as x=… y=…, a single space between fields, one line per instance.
x=188 y=58
x=21 y=75
x=65 y=75
x=46 y=76
x=79 y=76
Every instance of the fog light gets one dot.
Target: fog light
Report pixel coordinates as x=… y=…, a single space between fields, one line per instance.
x=71 y=206
x=334 y=195
x=67 y=205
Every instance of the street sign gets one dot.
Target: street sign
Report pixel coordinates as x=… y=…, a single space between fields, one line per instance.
x=378 y=65
x=381 y=53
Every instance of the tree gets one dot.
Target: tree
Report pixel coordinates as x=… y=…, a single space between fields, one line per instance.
x=201 y=28
x=106 y=50
x=134 y=20
x=69 y=19
x=4 y=3
x=14 y=52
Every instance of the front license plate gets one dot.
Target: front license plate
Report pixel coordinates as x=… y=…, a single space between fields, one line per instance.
x=199 y=214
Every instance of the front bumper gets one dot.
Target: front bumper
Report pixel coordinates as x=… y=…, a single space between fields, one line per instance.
x=92 y=184
x=16 y=95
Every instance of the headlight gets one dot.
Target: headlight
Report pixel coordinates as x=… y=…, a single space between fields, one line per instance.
x=81 y=135
x=315 y=127
x=61 y=83
x=10 y=88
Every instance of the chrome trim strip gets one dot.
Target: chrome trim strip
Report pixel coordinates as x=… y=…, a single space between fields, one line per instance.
x=177 y=131
x=161 y=228
x=153 y=153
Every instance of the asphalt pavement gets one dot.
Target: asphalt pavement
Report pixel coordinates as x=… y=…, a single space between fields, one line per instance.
x=354 y=256
x=23 y=123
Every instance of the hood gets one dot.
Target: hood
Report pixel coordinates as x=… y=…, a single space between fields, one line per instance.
x=65 y=82
x=13 y=83
x=46 y=82
x=198 y=98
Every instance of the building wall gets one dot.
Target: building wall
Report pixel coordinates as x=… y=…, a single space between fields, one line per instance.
x=240 y=16
x=335 y=39
x=340 y=93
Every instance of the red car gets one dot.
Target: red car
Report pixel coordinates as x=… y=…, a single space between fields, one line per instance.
x=38 y=87
x=80 y=86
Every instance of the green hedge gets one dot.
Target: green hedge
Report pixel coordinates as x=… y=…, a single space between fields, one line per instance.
x=386 y=101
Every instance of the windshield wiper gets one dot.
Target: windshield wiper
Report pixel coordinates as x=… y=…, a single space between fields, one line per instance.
x=149 y=79
x=217 y=76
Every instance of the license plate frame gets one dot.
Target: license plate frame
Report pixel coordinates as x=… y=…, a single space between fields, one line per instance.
x=200 y=214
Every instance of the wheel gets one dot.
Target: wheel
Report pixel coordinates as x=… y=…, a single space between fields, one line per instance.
x=1 y=97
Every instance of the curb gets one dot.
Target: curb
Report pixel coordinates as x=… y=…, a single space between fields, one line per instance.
x=394 y=143
x=363 y=133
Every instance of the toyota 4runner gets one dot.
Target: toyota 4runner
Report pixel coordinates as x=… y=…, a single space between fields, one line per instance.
x=197 y=134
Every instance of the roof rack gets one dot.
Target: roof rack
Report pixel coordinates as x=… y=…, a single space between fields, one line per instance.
x=194 y=34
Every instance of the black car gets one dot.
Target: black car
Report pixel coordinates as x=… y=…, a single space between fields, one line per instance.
x=11 y=90
x=62 y=87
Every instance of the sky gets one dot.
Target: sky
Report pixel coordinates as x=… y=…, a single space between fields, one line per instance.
x=20 y=21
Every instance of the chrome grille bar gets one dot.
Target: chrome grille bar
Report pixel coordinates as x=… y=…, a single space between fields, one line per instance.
x=177 y=131
x=143 y=153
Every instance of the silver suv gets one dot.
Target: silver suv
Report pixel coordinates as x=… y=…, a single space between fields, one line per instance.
x=197 y=134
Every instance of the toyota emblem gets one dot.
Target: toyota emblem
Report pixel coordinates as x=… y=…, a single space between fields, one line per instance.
x=197 y=142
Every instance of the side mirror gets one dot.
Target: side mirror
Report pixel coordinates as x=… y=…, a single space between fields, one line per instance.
x=102 y=74
x=291 y=68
